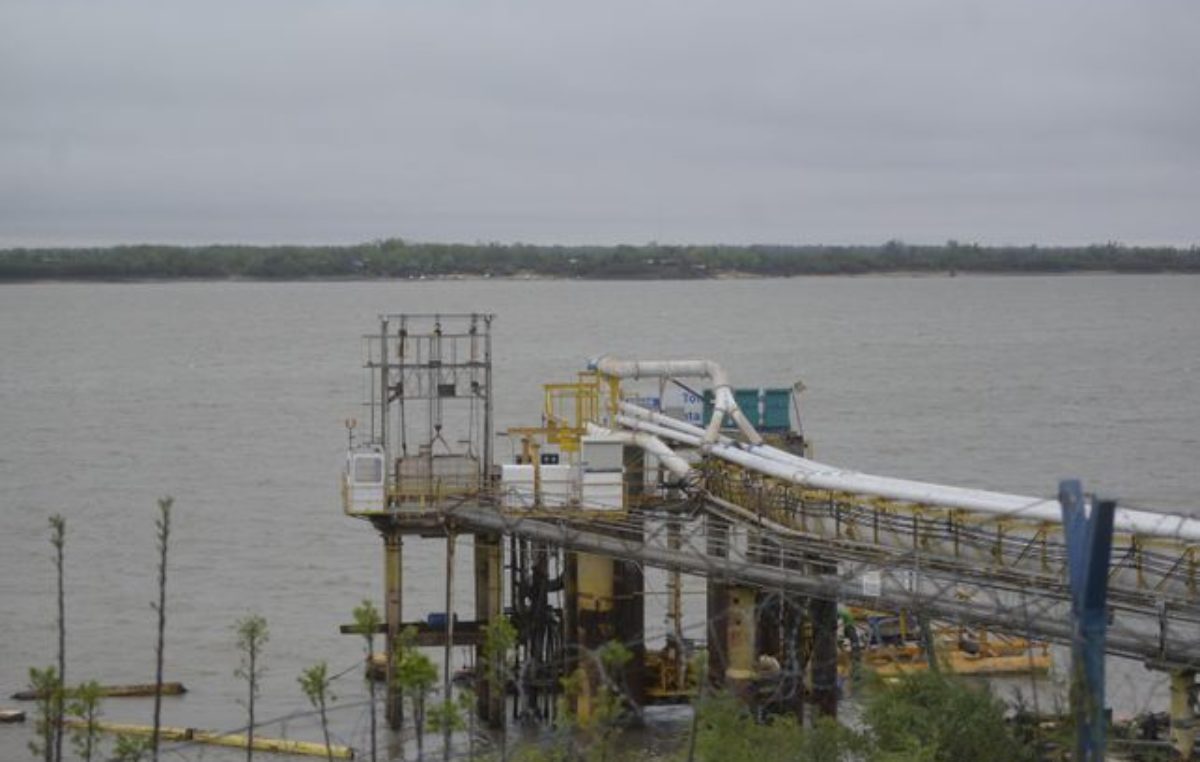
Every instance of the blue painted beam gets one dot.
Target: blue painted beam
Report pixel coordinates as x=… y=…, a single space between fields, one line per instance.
x=1088 y=526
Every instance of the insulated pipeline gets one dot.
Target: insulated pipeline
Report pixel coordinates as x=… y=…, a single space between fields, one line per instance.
x=802 y=471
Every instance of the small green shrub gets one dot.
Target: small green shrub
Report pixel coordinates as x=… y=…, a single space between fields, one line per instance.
x=934 y=717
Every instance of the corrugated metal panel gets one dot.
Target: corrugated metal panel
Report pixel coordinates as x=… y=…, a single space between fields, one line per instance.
x=558 y=485
x=516 y=473
x=516 y=486
x=603 y=497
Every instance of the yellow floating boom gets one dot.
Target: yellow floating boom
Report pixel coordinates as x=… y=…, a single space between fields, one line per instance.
x=115 y=691
x=124 y=729
x=213 y=738
x=279 y=745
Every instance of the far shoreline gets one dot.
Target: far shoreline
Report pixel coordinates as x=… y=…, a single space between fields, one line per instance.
x=550 y=278
x=397 y=259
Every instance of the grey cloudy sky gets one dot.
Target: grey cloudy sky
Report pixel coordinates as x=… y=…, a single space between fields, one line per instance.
x=1010 y=121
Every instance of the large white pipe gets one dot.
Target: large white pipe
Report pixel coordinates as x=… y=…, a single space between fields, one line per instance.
x=724 y=403
x=691 y=440
x=649 y=443
x=690 y=431
x=802 y=471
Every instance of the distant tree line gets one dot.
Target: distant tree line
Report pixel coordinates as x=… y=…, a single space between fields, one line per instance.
x=396 y=258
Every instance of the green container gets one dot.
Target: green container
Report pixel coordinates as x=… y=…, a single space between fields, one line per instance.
x=708 y=406
x=768 y=410
x=777 y=410
x=747 y=400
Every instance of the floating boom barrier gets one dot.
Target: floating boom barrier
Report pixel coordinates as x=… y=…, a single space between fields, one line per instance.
x=214 y=738
x=115 y=691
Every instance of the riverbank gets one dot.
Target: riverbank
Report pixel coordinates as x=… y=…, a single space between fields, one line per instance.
x=396 y=259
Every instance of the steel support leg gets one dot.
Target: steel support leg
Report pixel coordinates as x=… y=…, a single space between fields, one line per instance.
x=1183 y=717
x=489 y=573
x=823 y=613
x=393 y=578
x=629 y=619
x=717 y=603
x=448 y=652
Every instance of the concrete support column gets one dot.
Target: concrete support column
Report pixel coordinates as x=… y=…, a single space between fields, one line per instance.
x=740 y=637
x=675 y=608
x=629 y=619
x=393 y=579
x=589 y=589
x=781 y=624
x=1183 y=718
x=717 y=603
x=629 y=583
x=489 y=577
x=780 y=637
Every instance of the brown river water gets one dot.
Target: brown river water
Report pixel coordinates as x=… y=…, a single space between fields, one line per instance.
x=231 y=397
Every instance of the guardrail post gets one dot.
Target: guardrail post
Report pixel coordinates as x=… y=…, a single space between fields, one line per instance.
x=1087 y=525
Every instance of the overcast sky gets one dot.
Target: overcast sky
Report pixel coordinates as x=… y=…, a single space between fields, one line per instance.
x=1010 y=121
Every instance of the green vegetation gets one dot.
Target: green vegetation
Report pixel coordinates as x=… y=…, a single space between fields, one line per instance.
x=446 y=716
x=314 y=681
x=55 y=700
x=366 y=623
x=499 y=639
x=935 y=717
x=728 y=730
x=252 y=635
x=48 y=688
x=467 y=705
x=396 y=258
x=130 y=749
x=598 y=731
x=85 y=706
x=925 y=717
x=415 y=677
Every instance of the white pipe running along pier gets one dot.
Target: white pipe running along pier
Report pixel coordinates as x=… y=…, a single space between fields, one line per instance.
x=782 y=465
x=723 y=402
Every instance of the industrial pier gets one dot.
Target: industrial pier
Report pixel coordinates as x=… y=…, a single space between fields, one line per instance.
x=666 y=465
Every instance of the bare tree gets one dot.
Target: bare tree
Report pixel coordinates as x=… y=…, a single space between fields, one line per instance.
x=163 y=526
x=58 y=533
